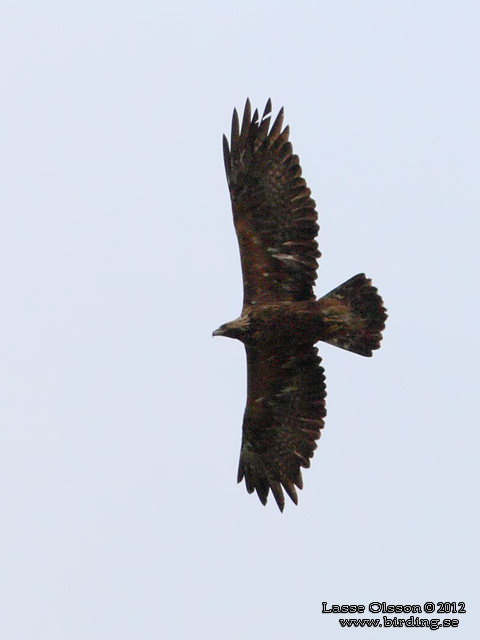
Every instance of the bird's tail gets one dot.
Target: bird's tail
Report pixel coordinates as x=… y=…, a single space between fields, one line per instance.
x=353 y=316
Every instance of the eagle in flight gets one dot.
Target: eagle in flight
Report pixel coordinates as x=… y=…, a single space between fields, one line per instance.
x=281 y=320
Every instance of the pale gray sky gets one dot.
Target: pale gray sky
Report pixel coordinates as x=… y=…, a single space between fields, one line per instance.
x=120 y=417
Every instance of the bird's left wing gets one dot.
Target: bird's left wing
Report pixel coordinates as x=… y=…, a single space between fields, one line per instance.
x=283 y=417
x=274 y=215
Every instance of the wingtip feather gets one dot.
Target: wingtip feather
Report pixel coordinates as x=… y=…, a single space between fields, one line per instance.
x=247 y=116
x=277 y=126
x=278 y=494
x=291 y=491
x=226 y=152
x=235 y=126
x=268 y=109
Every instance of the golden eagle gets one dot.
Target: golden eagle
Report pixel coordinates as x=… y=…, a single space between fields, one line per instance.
x=276 y=225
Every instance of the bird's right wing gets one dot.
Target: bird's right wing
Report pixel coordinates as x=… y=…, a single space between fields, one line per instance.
x=283 y=417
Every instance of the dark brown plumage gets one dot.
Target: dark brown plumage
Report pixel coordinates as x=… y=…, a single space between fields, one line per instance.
x=276 y=225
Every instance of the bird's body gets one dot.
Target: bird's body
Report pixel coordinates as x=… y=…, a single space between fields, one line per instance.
x=275 y=221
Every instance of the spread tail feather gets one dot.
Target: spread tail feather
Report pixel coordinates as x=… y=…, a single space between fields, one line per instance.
x=353 y=316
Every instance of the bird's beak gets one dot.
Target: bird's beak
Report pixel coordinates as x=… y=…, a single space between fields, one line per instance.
x=217 y=332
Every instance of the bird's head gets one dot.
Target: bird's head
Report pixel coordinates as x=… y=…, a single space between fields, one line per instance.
x=235 y=329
